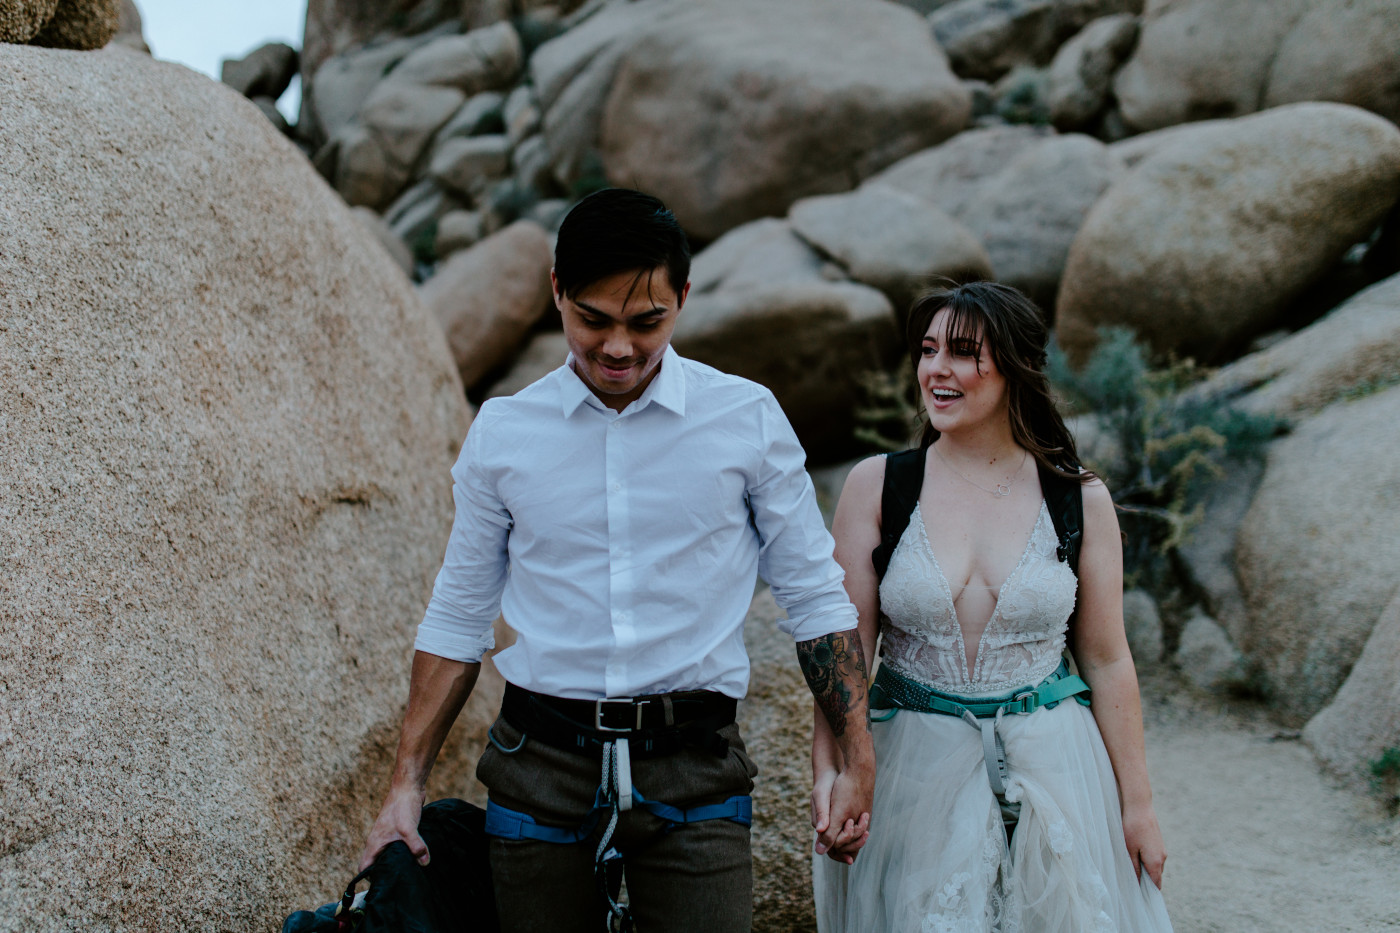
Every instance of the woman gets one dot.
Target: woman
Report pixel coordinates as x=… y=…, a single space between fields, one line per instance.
x=976 y=604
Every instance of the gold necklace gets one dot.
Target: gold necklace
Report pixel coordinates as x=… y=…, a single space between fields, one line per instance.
x=1003 y=489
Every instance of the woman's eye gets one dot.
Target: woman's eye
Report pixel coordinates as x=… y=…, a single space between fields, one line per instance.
x=928 y=350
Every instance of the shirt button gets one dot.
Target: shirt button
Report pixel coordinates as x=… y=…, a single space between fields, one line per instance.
x=616 y=487
x=614 y=424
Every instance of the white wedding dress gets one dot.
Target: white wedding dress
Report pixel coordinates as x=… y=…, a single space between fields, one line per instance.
x=937 y=860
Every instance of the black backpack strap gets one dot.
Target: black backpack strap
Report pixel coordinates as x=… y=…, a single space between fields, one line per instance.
x=1064 y=499
x=904 y=478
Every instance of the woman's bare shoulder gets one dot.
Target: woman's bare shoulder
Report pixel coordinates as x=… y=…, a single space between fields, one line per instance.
x=864 y=486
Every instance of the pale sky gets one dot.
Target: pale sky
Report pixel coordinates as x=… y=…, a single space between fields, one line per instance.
x=202 y=34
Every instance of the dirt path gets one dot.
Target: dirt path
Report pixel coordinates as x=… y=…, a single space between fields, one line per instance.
x=1258 y=838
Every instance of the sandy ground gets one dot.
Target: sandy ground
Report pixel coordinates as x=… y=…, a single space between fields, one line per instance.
x=1258 y=838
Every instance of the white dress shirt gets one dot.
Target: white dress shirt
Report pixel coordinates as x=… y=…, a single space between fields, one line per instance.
x=622 y=547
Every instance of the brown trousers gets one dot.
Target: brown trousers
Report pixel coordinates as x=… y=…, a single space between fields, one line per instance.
x=696 y=877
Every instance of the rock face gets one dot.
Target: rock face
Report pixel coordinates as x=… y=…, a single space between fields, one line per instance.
x=729 y=110
x=1205 y=243
x=224 y=502
x=987 y=38
x=1198 y=59
x=1354 y=350
x=1081 y=76
x=1023 y=192
x=21 y=20
x=489 y=296
x=264 y=72
x=1363 y=721
x=80 y=24
x=1341 y=50
x=332 y=26
x=1317 y=555
x=889 y=240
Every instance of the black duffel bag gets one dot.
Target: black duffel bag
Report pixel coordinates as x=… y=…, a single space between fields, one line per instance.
x=451 y=894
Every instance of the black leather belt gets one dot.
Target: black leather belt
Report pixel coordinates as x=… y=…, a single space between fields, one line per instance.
x=654 y=726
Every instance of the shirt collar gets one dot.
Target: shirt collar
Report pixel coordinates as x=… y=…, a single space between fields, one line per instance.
x=666 y=390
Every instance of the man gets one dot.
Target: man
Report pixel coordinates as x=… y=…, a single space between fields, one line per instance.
x=616 y=512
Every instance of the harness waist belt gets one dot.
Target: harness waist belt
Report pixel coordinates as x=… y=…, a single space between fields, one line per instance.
x=893 y=691
x=656 y=725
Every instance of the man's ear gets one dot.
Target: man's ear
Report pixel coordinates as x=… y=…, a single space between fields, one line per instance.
x=680 y=302
x=554 y=290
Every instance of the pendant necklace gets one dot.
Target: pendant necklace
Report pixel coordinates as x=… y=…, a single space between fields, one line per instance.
x=1003 y=489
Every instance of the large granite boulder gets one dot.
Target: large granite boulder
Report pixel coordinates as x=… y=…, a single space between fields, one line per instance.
x=82 y=25
x=1199 y=59
x=225 y=498
x=1022 y=191
x=264 y=72
x=488 y=297
x=1341 y=50
x=1206 y=243
x=1353 y=350
x=1318 y=555
x=1079 y=85
x=730 y=110
x=21 y=20
x=1362 y=723
x=890 y=240
x=987 y=38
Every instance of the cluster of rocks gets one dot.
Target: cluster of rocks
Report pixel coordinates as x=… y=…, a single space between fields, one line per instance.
x=830 y=180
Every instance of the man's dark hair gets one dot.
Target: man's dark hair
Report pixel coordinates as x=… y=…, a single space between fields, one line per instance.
x=619 y=230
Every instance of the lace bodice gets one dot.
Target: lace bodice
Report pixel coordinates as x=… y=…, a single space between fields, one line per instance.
x=1023 y=639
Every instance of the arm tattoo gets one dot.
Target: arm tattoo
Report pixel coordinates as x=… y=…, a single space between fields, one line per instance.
x=834 y=666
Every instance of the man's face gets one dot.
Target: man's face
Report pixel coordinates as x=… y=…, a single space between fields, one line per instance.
x=618 y=329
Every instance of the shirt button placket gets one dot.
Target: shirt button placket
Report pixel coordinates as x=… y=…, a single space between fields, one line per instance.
x=620 y=581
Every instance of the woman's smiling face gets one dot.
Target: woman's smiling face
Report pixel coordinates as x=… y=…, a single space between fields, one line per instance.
x=958 y=380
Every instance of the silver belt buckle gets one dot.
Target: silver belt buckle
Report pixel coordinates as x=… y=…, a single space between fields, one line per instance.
x=598 y=707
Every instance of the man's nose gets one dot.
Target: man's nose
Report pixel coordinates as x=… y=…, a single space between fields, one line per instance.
x=618 y=344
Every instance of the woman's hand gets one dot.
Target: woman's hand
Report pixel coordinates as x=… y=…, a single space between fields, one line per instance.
x=850 y=837
x=1144 y=840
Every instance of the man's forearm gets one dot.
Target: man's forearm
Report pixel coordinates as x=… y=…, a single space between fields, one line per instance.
x=834 y=666
x=437 y=690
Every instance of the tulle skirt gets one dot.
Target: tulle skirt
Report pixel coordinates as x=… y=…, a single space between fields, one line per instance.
x=937 y=859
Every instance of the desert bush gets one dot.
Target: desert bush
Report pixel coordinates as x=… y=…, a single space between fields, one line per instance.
x=1168 y=445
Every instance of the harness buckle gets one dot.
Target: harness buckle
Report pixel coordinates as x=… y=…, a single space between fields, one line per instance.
x=602 y=706
x=1027 y=702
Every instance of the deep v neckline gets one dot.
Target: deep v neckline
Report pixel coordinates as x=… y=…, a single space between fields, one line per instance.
x=947 y=588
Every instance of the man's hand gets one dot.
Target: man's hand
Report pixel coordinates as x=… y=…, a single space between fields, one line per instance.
x=437 y=689
x=834 y=666
x=397 y=822
x=841 y=812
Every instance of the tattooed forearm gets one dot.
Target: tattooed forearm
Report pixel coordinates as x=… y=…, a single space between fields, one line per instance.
x=834 y=666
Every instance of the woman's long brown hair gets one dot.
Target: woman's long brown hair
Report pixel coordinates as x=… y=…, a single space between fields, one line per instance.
x=1013 y=329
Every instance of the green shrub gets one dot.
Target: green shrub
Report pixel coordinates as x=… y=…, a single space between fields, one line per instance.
x=1170 y=444
x=1021 y=96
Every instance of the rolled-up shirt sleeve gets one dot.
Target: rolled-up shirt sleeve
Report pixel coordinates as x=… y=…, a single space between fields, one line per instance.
x=795 y=550
x=467 y=593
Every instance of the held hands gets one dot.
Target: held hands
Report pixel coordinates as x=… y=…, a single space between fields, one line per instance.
x=841 y=811
x=1144 y=840
x=397 y=822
